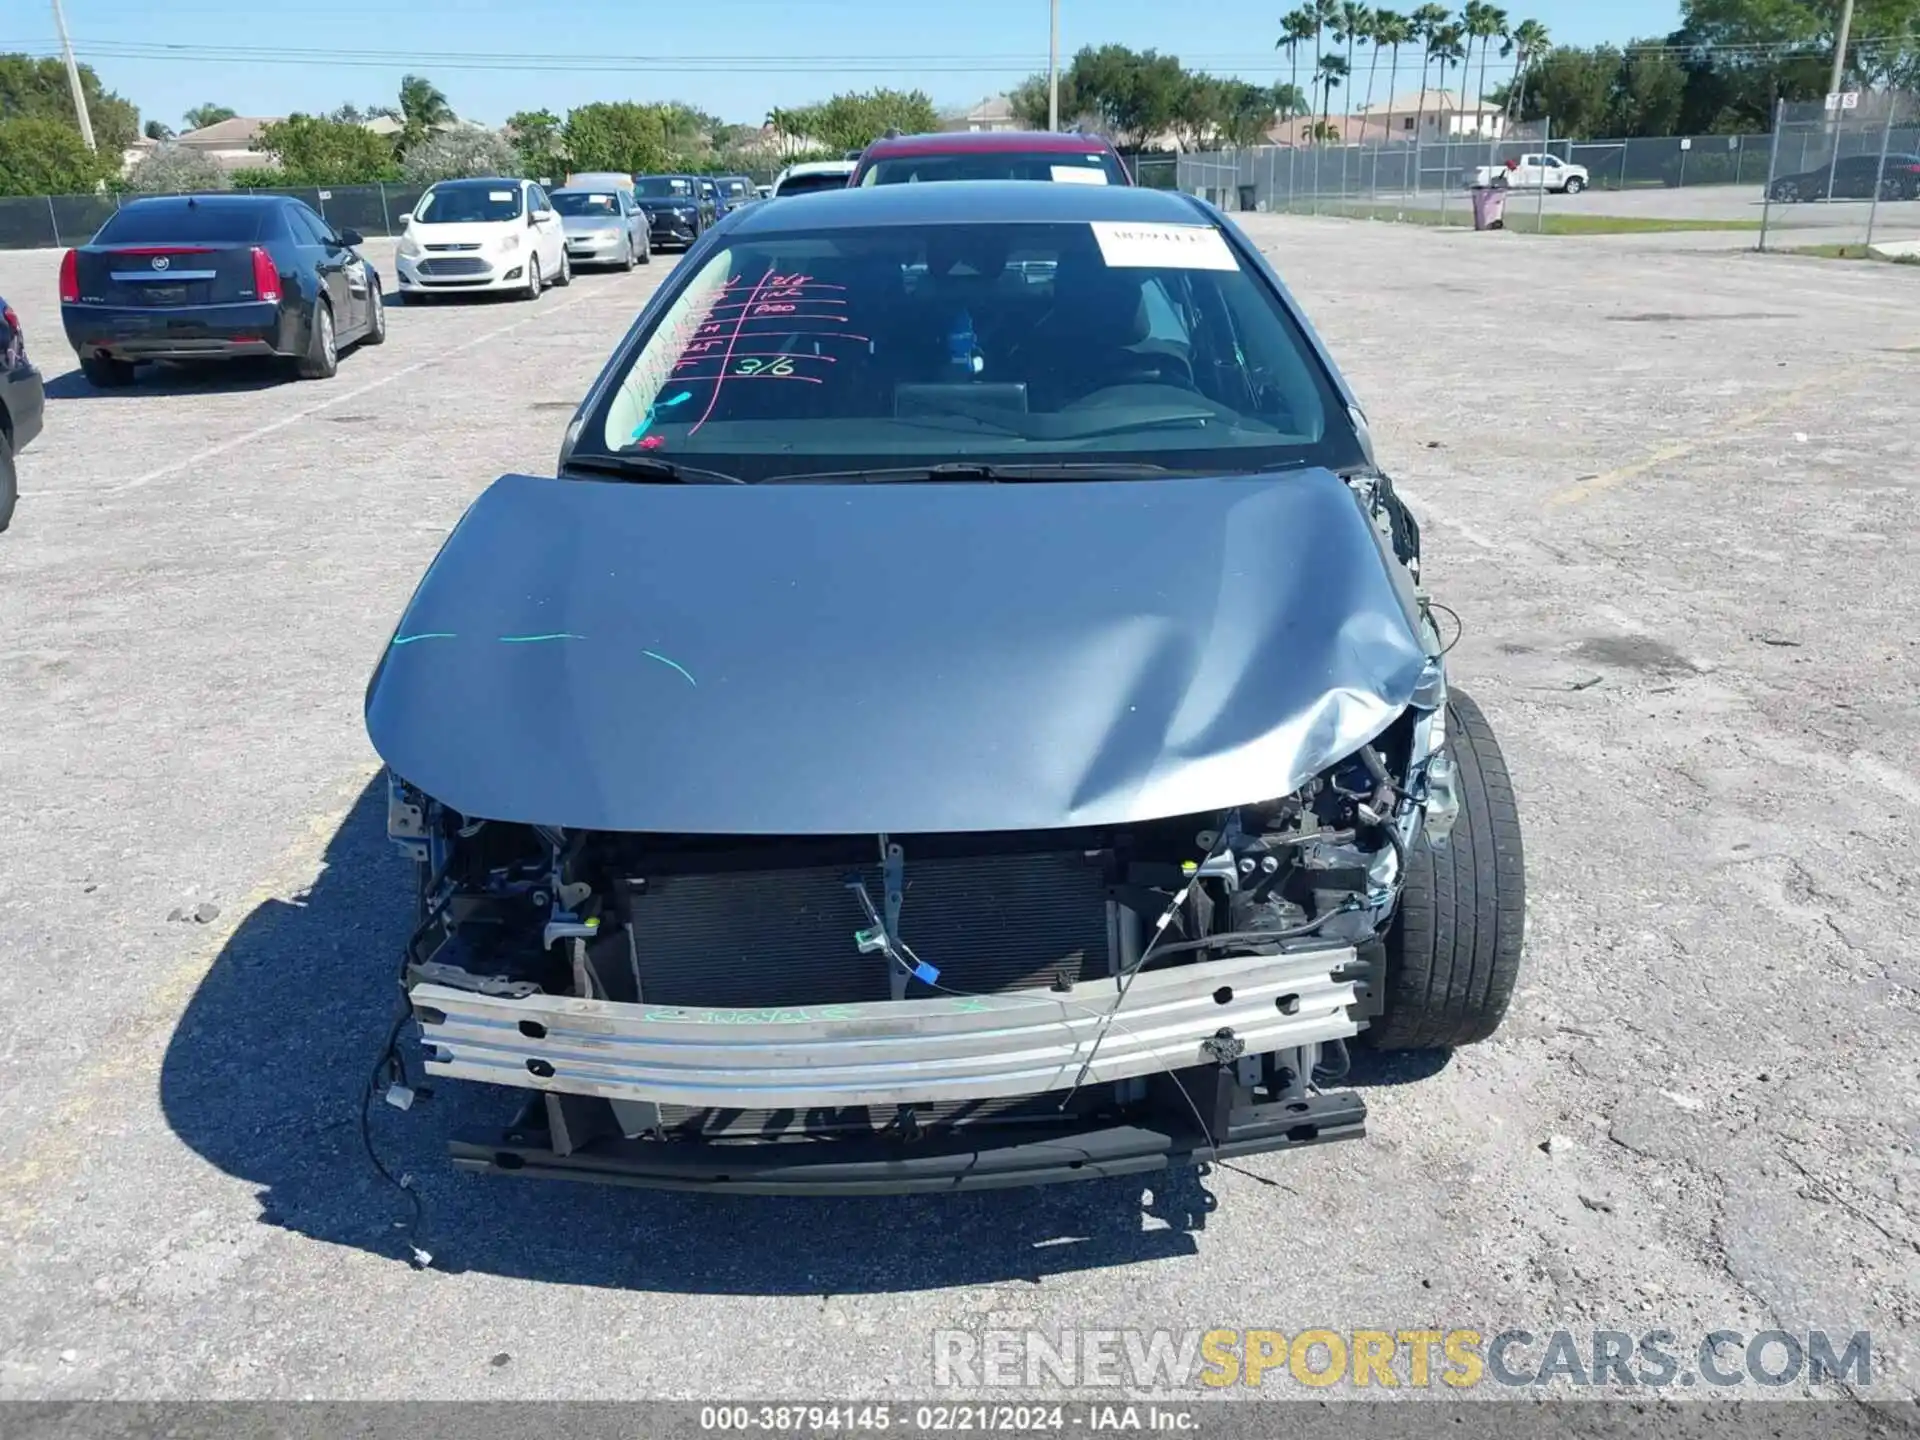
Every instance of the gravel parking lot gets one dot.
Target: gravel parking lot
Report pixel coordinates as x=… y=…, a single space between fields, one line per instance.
x=1671 y=508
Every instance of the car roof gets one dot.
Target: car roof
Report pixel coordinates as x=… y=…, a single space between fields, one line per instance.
x=986 y=202
x=227 y=201
x=471 y=180
x=987 y=142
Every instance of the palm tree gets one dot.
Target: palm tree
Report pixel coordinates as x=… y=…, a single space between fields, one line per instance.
x=1485 y=23
x=1444 y=51
x=423 y=106
x=1426 y=23
x=1326 y=14
x=1295 y=30
x=1391 y=29
x=1355 y=22
x=1327 y=74
x=1528 y=41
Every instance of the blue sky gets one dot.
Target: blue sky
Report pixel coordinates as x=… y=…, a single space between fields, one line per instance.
x=733 y=57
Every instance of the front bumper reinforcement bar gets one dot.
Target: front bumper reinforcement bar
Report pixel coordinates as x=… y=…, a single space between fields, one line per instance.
x=900 y=1052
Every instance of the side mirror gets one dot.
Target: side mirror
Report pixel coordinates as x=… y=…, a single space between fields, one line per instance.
x=352 y=237
x=406 y=218
x=533 y=218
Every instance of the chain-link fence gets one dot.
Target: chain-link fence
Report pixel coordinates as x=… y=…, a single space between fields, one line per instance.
x=1331 y=179
x=30 y=222
x=1844 y=175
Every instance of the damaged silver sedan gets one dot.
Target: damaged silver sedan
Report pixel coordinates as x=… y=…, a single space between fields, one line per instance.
x=966 y=714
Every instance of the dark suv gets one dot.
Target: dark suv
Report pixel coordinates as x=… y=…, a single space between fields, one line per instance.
x=680 y=207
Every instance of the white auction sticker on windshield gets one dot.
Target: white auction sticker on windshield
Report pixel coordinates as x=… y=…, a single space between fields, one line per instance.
x=1128 y=246
x=1078 y=175
x=500 y=195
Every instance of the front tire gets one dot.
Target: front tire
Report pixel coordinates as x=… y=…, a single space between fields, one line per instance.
x=1574 y=186
x=103 y=372
x=565 y=277
x=1453 y=950
x=376 y=318
x=322 y=360
x=533 y=287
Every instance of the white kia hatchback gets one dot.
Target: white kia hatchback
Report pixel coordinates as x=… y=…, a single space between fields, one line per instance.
x=480 y=235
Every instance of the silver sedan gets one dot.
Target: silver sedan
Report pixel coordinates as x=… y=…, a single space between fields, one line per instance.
x=604 y=227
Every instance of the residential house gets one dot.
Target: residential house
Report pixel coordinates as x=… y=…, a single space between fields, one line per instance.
x=1436 y=115
x=994 y=113
x=229 y=143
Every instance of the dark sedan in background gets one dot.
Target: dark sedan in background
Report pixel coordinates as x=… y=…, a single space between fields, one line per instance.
x=22 y=403
x=217 y=277
x=1853 y=177
x=679 y=207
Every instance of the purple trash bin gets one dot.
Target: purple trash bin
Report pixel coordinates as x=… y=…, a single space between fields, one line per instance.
x=1489 y=204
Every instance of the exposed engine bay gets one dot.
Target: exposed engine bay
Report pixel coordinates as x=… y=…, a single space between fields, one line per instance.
x=813 y=944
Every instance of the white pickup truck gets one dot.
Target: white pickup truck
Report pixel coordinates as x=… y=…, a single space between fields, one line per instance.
x=1534 y=172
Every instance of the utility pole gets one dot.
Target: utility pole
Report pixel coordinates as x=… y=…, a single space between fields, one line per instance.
x=1840 y=47
x=73 y=77
x=1053 y=65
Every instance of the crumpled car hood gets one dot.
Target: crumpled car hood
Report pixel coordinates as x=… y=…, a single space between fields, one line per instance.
x=913 y=658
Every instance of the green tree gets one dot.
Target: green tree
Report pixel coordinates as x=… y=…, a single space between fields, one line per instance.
x=1328 y=75
x=457 y=154
x=1575 y=87
x=36 y=89
x=616 y=135
x=423 y=110
x=312 y=151
x=1648 y=92
x=855 y=120
x=177 y=170
x=1485 y=24
x=1529 y=41
x=1030 y=101
x=1132 y=93
x=536 y=139
x=1197 y=116
x=157 y=130
x=1247 y=112
x=47 y=157
x=201 y=116
x=1391 y=30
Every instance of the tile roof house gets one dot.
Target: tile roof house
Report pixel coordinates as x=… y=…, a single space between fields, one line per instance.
x=229 y=143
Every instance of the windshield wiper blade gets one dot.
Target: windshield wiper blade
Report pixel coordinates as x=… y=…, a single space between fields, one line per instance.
x=972 y=470
x=649 y=467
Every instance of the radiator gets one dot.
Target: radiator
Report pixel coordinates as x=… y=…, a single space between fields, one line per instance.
x=786 y=937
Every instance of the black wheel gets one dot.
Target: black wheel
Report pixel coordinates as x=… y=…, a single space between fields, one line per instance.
x=322 y=360
x=533 y=286
x=377 y=317
x=106 y=373
x=565 y=277
x=9 y=481
x=1453 y=951
x=646 y=250
x=1786 y=191
x=1575 y=185
x=626 y=255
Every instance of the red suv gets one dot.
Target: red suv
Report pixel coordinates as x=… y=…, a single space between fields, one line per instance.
x=992 y=155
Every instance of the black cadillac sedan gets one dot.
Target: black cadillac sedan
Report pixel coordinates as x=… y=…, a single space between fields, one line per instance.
x=217 y=277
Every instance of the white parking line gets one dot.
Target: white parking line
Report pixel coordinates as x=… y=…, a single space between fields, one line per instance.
x=248 y=437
